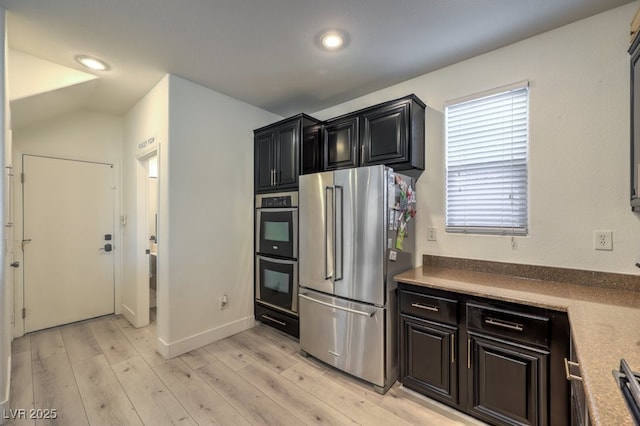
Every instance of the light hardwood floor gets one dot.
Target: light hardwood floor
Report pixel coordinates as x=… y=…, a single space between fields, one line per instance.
x=105 y=372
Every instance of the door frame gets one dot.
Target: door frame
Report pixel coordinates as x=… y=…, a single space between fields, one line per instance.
x=140 y=317
x=18 y=284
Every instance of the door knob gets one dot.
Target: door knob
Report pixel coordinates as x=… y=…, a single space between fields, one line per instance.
x=15 y=264
x=107 y=247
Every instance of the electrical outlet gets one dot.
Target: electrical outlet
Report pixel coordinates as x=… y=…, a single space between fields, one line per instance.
x=431 y=234
x=603 y=240
x=224 y=303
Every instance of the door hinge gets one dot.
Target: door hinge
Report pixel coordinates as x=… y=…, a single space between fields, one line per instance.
x=21 y=177
x=24 y=313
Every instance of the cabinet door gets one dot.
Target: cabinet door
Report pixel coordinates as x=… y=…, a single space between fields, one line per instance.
x=508 y=383
x=286 y=155
x=264 y=157
x=428 y=358
x=385 y=135
x=310 y=156
x=341 y=144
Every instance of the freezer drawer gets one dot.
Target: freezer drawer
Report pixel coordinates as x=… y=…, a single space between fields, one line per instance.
x=347 y=335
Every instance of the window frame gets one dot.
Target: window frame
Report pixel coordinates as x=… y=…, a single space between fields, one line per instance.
x=460 y=222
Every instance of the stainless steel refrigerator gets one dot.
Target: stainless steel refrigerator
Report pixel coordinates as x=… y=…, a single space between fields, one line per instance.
x=355 y=234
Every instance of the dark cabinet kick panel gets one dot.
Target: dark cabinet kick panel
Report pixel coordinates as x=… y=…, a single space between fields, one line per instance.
x=500 y=362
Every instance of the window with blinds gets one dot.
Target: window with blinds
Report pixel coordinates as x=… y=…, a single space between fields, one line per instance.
x=486 y=162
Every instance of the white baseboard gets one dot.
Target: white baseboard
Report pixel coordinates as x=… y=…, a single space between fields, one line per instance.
x=129 y=314
x=173 y=349
x=5 y=405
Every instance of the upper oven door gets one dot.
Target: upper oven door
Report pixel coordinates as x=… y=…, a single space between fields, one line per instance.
x=277 y=232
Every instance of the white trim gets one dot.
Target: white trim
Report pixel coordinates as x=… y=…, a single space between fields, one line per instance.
x=128 y=313
x=182 y=346
x=6 y=404
x=505 y=88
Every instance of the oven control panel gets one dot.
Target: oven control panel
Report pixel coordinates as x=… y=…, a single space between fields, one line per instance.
x=272 y=201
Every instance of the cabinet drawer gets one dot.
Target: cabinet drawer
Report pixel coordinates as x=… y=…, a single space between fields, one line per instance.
x=277 y=320
x=428 y=307
x=518 y=326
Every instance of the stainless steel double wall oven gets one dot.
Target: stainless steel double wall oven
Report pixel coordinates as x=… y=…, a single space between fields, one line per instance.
x=276 y=266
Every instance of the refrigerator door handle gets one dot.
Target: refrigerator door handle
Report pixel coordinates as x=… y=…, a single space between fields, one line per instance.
x=327 y=244
x=341 y=308
x=338 y=237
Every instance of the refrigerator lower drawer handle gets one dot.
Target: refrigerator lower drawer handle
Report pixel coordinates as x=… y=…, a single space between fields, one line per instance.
x=341 y=308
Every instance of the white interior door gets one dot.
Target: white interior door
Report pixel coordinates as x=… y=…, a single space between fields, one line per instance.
x=68 y=215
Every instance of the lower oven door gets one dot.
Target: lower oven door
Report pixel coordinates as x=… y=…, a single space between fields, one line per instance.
x=345 y=334
x=277 y=283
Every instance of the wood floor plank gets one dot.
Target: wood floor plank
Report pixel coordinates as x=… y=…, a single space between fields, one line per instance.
x=21 y=344
x=112 y=341
x=301 y=403
x=21 y=390
x=47 y=343
x=54 y=387
x=231 y=355
x=143 y=340
x=198 y=358
x=151 y=399
x=349 y=403
x=248 y=400
x=79 y=342
x=270 y=335
x=105 y=401
x=203 y=403
x=414 y=413
x=268 y=355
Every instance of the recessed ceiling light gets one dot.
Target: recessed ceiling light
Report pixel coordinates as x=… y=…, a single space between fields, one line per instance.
x=92 y=63
x=332 y=40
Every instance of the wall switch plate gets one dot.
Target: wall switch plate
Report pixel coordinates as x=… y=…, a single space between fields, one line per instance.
x=431 y=234
x=603 y=240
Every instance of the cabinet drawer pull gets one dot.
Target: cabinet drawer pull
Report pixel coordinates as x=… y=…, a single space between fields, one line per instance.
x=570 y=376
x=426 y=307
x=504 y=324
x=267 y=317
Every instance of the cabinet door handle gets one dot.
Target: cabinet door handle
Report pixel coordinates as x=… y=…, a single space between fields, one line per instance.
x=267 y=317
x=504 y=324
x=453 y=349
x=273 y=177
x=468 y=353
x=570 y=376
x=425 y=307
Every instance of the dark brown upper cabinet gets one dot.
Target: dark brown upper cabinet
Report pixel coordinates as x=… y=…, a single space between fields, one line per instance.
x=391 y=133
x=283 y=150
x=340 y=143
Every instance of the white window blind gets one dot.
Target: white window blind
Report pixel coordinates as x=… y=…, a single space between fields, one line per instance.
x=486 y=162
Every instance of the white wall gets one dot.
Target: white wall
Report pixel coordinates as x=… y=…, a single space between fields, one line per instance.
x=81 y=135
x=579 y=145
x=205 y=216
x=211 y=215
x=147 y=120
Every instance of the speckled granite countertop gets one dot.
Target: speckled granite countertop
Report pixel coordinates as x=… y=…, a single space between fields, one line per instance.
x=605 y=323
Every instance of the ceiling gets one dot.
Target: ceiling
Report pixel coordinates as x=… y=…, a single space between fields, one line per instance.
x=264 y=52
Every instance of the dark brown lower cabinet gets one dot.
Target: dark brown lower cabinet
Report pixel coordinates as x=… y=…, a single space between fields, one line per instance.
x=497 y=361
x=508 y=382
x=429 y=363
